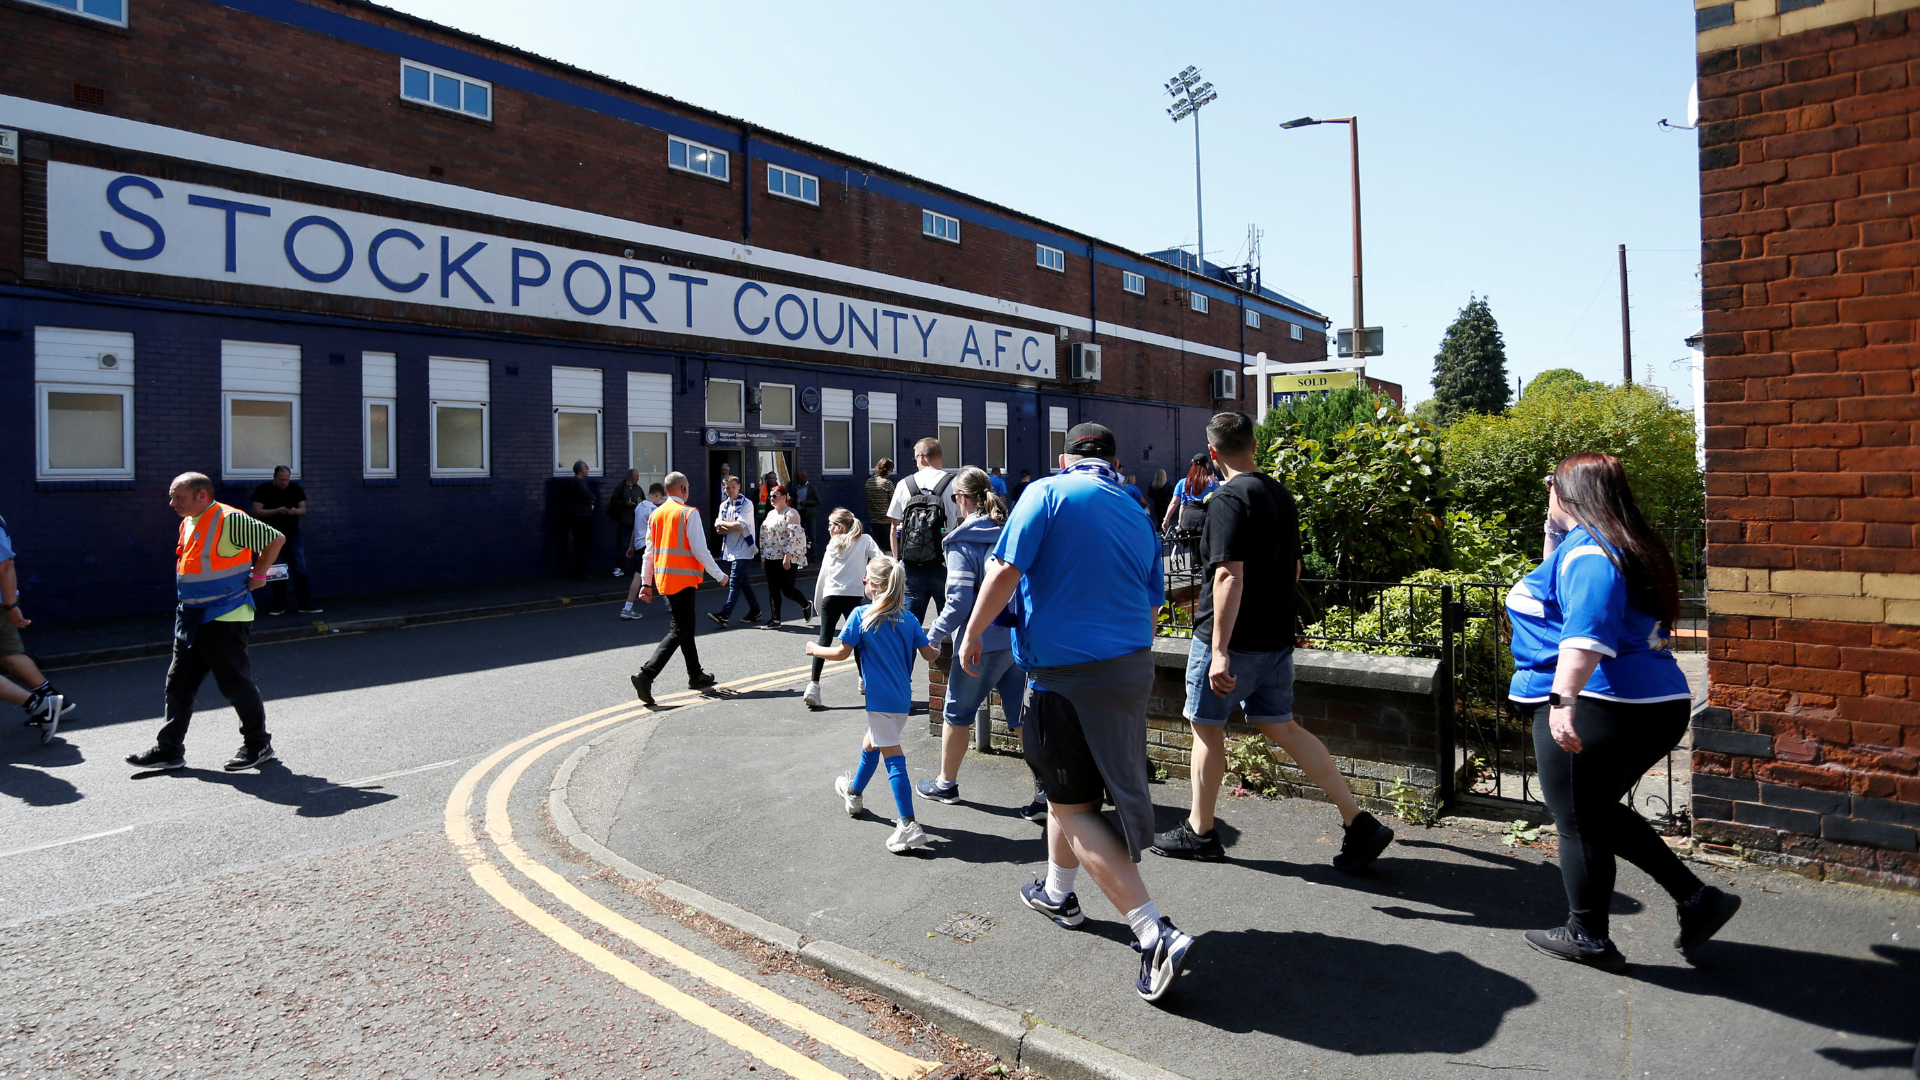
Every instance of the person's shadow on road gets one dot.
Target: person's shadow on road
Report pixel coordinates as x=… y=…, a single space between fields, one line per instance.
x=310 y=796
x=35 y=787
x=1325 y=991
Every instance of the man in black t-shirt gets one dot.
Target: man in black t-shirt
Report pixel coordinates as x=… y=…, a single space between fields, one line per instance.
x=281 y=503
x=1242 y=651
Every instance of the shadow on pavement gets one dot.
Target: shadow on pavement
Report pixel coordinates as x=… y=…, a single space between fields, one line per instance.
x=311 y=796
x=1325 y=991
x=1839 y=993
x=1892 y=1058
x=978 y=847
x=32 y=785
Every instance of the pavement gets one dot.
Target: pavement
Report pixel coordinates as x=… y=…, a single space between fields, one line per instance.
x=1415 y=970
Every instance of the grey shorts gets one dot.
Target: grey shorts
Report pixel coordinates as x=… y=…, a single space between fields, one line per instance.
x=10 y=637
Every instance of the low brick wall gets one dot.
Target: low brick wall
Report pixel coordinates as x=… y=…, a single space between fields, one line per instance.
x=1379 y=715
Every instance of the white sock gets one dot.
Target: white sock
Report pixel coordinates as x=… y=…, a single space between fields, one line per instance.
x=628 y=606
x=1145 y=921
x=1060 y=882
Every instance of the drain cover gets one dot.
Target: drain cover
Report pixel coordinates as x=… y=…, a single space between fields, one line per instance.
x=965 y=927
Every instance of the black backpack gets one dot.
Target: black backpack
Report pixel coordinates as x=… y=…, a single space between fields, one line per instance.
x=926 y=516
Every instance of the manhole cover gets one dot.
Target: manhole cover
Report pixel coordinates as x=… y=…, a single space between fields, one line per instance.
x=965 y=927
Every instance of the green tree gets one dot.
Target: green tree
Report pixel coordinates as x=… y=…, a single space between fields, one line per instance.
x=1561 y=381
x=1317 y=417
x=1470 y=370
x=1497 y=462
x=1370 y=498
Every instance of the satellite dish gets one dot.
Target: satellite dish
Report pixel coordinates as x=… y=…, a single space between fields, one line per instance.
x=1693 y=104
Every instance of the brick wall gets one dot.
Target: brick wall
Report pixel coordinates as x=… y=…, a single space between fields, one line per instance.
x=1810 y=208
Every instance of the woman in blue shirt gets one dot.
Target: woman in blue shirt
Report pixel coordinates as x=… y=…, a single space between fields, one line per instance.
x=1591 y=629
x=1187 y=511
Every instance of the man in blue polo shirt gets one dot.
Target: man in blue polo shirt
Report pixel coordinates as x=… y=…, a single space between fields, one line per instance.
x=1085 y=565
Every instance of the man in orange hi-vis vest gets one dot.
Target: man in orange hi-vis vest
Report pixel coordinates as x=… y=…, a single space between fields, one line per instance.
x=676 y=557
x=222 y=556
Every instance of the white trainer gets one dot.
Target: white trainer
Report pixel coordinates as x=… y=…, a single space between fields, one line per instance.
x=812 y=697
x=907 y=835
x=843 y=787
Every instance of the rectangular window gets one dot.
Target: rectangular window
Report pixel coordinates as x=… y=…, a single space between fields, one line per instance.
x=776 y=405
x=726 y=403
x=793 y=185
x=694 y=157
x=83 y=382
x=1253 y=318
x=461 y=393
x=442 y=89
x=940 y=226
x=1050 y=258
x=577 y=408
x=378 y=388
x=883 y=414
x=997 y=435
x=107 y=11
x=260 y=409
x=1056 y=437
x=952 y=454
x=1294 y=331
x=836 y=432
x=1133 y=283
x=650 y=425
x=1198 y=301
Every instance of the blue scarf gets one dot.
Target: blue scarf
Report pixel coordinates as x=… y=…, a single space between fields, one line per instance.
x=1100 y=470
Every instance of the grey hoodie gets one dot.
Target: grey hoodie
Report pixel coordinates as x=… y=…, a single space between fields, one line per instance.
x=967 y=547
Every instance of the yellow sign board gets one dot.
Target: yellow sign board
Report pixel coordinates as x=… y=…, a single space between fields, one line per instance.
x=1306 y=384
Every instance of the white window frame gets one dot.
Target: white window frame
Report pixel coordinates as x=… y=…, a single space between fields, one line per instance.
x=436 y=403
x=77 y=9
x=836 y=406
x=952 y=455
x=687 y=147
x=227 y=469
x=463 y=80
x=635 y=379
x=882 y=408
x=740 y=388
x=1253 y=319
x=368 y=400
x=1133 y=283
x=82 y=373
x=1056 y=425
x=940 y=226
x=793 y=407
x=1050 y=258
x=996 y=421
x=1295 y=332
x=1197 y=300
x=594 y=468
x=804 y=178
x=568 y=401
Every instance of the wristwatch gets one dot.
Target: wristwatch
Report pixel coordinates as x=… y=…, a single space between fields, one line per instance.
x=1555 y=701
x=9 y=607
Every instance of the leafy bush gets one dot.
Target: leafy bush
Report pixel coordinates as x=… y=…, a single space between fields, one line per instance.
x=1497 y=461
x=1318 y=417
x=1407 y=622
x=1561 y=380
x=1370 y=497
x=1485 y=548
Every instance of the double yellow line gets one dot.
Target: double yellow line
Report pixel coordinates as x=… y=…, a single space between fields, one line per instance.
x=881 y=1058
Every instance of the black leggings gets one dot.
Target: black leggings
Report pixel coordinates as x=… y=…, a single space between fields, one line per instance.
x=1620 y=742
x=779 y=584
x=832 y=610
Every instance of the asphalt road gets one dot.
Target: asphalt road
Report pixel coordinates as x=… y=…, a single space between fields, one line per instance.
x=313 y=918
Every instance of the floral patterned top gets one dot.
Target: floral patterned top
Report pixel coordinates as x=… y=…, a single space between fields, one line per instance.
x=781 y=535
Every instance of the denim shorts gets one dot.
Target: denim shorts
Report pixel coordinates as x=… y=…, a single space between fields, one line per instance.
x=966 y=693
x=1264 y=686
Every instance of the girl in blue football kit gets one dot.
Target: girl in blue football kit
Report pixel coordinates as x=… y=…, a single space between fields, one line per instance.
x=886 y=636
x=1591 y=630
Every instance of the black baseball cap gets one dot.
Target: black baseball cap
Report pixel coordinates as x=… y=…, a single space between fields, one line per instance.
x=1091 y=440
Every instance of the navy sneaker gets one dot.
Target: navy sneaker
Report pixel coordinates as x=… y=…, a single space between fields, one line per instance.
x=1362 y=843
x=1035 y=811
x=1160 y=965
x=1562 y=944
x=938 y=792
x=1066 y=914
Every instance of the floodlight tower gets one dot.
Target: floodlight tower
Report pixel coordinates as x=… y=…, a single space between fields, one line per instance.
x=1189 y=93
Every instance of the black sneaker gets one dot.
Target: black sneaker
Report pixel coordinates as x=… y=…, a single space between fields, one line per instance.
x=806 y=611
x=1181 y=842
x=642 y=686
x=1160 y=965
x=938 y=792
x=718 y=620
x=1365 y=839
x=157 y=758
x=249 y=757
x=772 y=624
x=1066 y=914
x=701 y=681
x=752 y=617
x=1561 y=944
x=1035 y=811
x=1703 y=918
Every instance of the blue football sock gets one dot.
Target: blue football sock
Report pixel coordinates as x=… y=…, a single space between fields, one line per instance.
x=869 y=761
x=902 y=787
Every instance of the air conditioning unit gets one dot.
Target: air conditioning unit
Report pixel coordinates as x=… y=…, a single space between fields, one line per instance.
x=1084 y=362
x=1225 y=383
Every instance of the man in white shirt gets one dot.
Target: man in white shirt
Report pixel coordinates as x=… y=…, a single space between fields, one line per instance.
x=734 y=523
x=926 y=577
x=637 y=543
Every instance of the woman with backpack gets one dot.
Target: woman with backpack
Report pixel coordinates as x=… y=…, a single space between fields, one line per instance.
x=838 y=589
x=967 y=547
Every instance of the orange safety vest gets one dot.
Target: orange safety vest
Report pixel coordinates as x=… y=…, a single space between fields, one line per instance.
x=207 y=577
x=674 y=565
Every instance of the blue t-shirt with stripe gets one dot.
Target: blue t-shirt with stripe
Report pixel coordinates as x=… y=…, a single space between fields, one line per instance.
x=1578 y=597
x=886 y=657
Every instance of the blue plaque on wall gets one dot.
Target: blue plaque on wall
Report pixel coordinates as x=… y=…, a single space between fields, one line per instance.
x=810 y=399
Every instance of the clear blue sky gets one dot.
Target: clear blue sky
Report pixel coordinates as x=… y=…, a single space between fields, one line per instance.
x=1506 y=147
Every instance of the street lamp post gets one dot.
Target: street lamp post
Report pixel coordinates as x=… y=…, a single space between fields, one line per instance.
x=1189 y=94
x=1367 y=341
